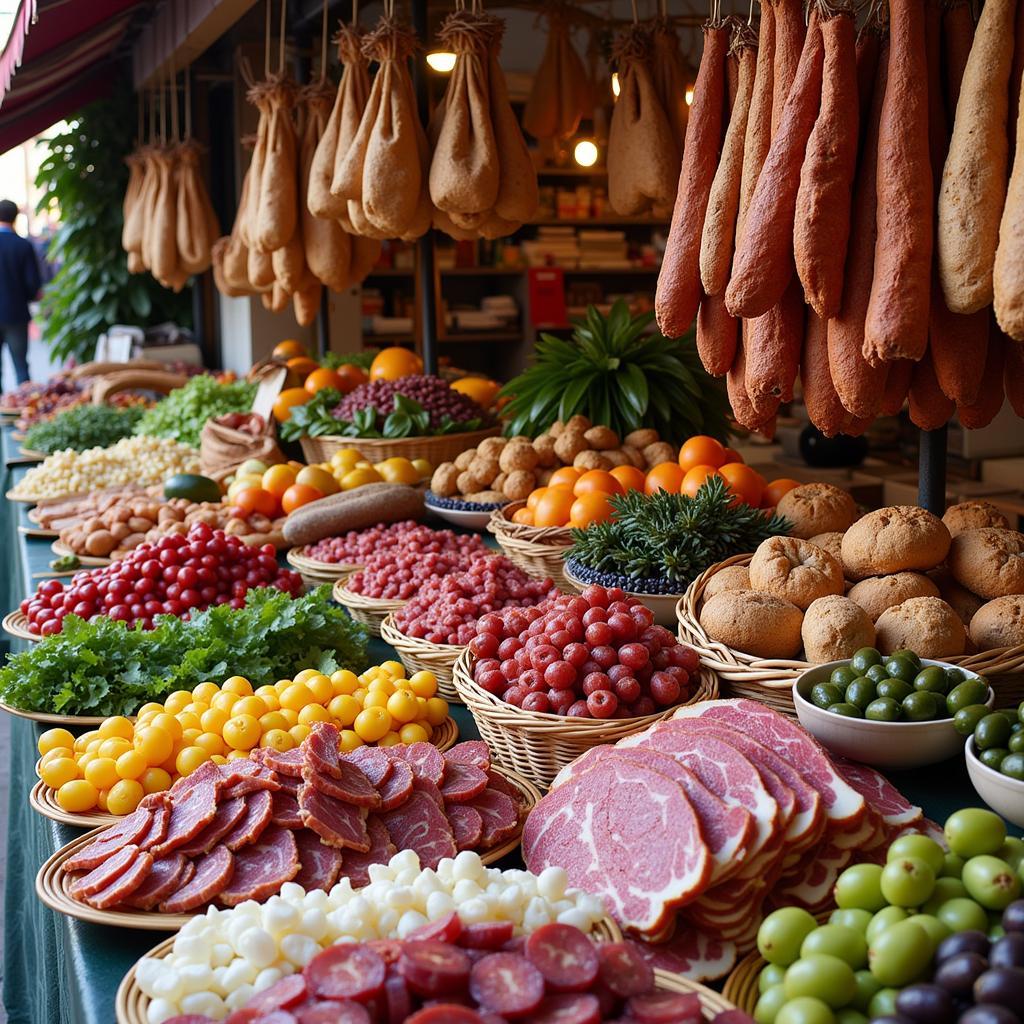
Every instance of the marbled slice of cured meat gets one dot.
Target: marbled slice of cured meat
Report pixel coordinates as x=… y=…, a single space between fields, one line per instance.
x=128 y=830
x=627 y=834
x=397 y=787
x=334 y=821
x=289 y=784
x=500 y=817
x=253 y=777
x=287 y=762
x=420 y=825
x=692 y=953
x=319 y=864
x=471 y=752
x=320 y=749
x=190 y=814
x=882 y=796
x=373 y=762
x=229 y=814
x=467 y=825
x=462 y=782
x=495 y=780
x=356 y=866
x=248 y=828
x=429 y=789
x=285 y=811
x=213 y=872
x=262 y=868
x=102 y=875
x=349 y=784
x=125 y=884
x=160 y=805
x=424 y=759
x=167 y=875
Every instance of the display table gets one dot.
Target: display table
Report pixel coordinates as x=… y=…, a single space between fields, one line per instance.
x=58 y=969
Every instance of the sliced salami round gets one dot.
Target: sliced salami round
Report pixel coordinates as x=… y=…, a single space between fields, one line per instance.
x=332 y=1012
x=284 y=810
x=500 y=817
x=397 y=787
x=276 y=1017
x=472 y=752
x=564 y=956
x=420 y=825
x=568 y=1008
x=623 y=969
x=462 y=782
x=447 y=928
x=282 y=995
x=229 y=814
x=262 y=868
x=346 y=971
x=486 y=934
x=397 y=999
x=434 y=969
x=167 y=875
x=160 y=805
x=100 y=877
x=507 y=983
x=665 y=1008
x=190 y=814
x=467 y=825
x=189 y=1018
x=445 y=1013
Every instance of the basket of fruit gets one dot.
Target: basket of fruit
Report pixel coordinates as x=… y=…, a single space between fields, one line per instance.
x=371 y=612
x=538 y=550
x=421 y=655
x=605 y=672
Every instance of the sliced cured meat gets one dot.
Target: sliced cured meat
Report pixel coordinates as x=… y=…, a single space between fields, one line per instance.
x=420 y=825
x=692 y=953
x=564 y=955
x=288 y=784
x=467 y=825
x=623 y=969
x=258 y=811
x=285 y=810
x=190 y=814
x=348 y=783
x=319 y=864
x=321 y=749
x=102 y=875
x=434 y=969
x=334 y=821
x=213 y=872
x=568 y=1008
x=124 y=885
x=253 y=777
x=881 y=795
x=333 y=1011
x=397 y=787
x=462 y=782
x=486 y=934
x=447 y=928
x=499 y=814
x=261 y=868
x=160 y=805
x=472 y=752
x=228 y=815
x=498 y=781
x=356 y=865
x=665 y=1008
x=282 y=995
x=507 y=984
x=208 y=771
x=429 y=789
x=346 y=971
x=124 y=832
x=625 y=833
x=167 y=875
x=424 y=759
x=286 y=762
x=373 y=762
x=397 y=998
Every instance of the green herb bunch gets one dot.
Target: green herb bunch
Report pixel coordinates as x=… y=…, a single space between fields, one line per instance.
x=105 y=668
x=184 y=412
x=673 y=537
x=81 y=427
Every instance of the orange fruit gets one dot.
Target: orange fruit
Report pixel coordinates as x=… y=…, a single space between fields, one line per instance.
x=392 y=363
x=775 y=490
x=523 y=516
x=301 y=366
x=664 y=477
x=321 y=378
x=631 y=478
x=350 y=376
x=317 y=478
x=535 y=495
x=288 y=349
x=694 y=479
x=744 y=482
x=593 y=507
x=277 y=479
x=480 y=389
x=731 y=455
x=553 y=508
x=285 y=401
x=564 y=477
x=298 y=495
x=597 y=481
x=702 y=451
x=255 y=499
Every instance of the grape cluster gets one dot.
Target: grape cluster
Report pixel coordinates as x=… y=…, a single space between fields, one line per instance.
x=432 y=393
x=357 y=546
x=447 y=609
x=598 y=655
x=399 y=573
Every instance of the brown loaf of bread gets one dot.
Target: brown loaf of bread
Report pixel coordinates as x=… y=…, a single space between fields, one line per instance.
x=1000 y=623
x=959 y=598
x=753 y=622
x=893 y=539
x=832 y=542
x=973 y=515
x=925 y=625
x=734 y=577
x=795 y=570
x=877 y=593
x=834 y=628
x=989 y=561
x=817 y=508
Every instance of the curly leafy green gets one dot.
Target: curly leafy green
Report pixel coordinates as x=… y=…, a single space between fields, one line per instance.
x=184 y=412
x=81 y=427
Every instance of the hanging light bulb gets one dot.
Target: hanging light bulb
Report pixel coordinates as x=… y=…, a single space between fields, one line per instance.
x=616 y=88
x=585 y=153
x=689 y=97
x=441 y=61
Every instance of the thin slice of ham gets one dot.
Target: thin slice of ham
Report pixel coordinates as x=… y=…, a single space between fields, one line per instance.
x=229 y=813
x=319 y=864
x=122 y=833
x=125 y=884
x=467 y=825
x=213 y=872
x=334 y=821
x=262 y=868
x=373 y=762
x=356 y=866
x=420 y=825
x=169 y=874
x=320 y=749
x=248 y=828
x=348 y=783
x=190 y=814
x=103 y=874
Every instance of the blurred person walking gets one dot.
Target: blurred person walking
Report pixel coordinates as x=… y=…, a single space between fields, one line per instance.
x=19 y=285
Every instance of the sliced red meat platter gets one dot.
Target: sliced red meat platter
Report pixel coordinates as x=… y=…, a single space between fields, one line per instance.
x=288 y=762
x=128 y=830
x=471 y=752
x=213 y=872
x=167 y=875
x=125 y=884
x=319 y=864
x=467 y=825
x=160 y=805
x=623 y=969
x=346 y=971
x=321 y=749
x=568 y=1008
x=692 y=953
x=103 y=874
x=285 y=810
x=282 y=995
x=499 y=814
x=424 y=759
x=420 y=825
x=190 y=814
x=882 y=796
x=356 y=865
x=428 y=789
x=229 y=813
x=397 y=787
x=349 y=783
x=260 y=777
x=373 y=762
x=335 y=822
x=495 y=780
x=462 y=782
x=261 y=868
x=208 y=771
x=258 y=810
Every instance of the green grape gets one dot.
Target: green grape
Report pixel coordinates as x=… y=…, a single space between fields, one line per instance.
x=769 y=1003
x=973 y=831
x=860 y=887
x=782 y=934
x=935 y=929
x=1012 y=851
x=885 y=918
x=851 y=917
x=916 y=845
x=867 y=986
x=1016 y=744
x=823 y=977
x=823 y=695
x=952 y=866
x=1012 y=765
x=805 y=1010
x=770 y=976
x=997 y=931
x=850 y=1016
x=900 y=954
x=907 y=881
x=848 y=944
x=946 y=889
x=991 y=882
x=994 y=757
x=963 y=915
x=883 y=1003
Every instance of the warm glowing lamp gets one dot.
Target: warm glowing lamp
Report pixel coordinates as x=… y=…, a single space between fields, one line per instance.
x=585 y=153
x=441 y=61
x=689 y=97
x=616 y=88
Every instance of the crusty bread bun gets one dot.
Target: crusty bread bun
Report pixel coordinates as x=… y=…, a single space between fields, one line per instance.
x=817 y=508
x=989 y=561
x=733 y=577
x=1000 y=623
x=795 y=570
x=835 y=628
x=753 y=622
x=893 y=539
x=877 y=593
x=925 y=625
x=973 y=515
x=832 y=542
x=960 y=599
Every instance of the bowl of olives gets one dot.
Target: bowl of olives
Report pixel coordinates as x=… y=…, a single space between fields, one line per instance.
x=889 y=711
x=995 y=761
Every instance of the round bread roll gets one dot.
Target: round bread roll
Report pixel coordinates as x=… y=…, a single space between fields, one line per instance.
x=925 y=625
x=733 y=577
x=989 y=561
x=753 y=622
x=877 y=593
x=960 y=599
x=834 y=628
x=973 y=515
x=1000 y=623
x=893 y=539
x=817 y=508
x=795 y=570
x=832 y=542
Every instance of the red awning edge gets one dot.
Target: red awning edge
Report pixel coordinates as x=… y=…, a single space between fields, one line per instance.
x=14 y=49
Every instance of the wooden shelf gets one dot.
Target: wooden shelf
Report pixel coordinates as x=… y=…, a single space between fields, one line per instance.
x=520 y=271
x=482 y=336
x=482 y=272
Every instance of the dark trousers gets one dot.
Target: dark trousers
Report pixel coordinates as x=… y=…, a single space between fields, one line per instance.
x=15 y=337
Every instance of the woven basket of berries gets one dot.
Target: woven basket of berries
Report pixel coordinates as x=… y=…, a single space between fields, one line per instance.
x=538 y=550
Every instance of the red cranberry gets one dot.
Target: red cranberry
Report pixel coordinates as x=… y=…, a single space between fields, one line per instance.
x=664 y=689
x=627 y=689
x=605 y=656
x=599 y=634
x=576 y=655
x=634 y=656
x=560 y=675
x=594 y=615
x=602 y=704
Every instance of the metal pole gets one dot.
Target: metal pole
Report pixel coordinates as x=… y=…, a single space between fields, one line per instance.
x=931 y=469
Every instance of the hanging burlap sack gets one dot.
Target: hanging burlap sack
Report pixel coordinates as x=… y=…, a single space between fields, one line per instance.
x=218 y=254
x=575 y=97
x=196 y=225
x=348 y=175
x=424 y=215
x=365 y=254
x=355 y=95
x=236 y=255
x=131 y=227
x=249 y=212
x=670 y=78
x=540 y=115
x=163 y=241
x=278 y=187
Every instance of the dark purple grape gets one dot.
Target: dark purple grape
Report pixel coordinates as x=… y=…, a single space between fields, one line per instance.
x=890 y=1019
x=989 y=1013
x=1003 y=986
x=926 y=1004
x=1013 y=917
x=962 y=942
x=1008 y=951
x=959 y=973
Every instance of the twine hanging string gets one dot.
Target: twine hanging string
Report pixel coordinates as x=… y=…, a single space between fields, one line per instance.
x=174 y=103
x=266 y=43
x=188 y=102
x=280 y=49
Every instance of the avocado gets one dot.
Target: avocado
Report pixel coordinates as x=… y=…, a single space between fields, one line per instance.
x=192 y=486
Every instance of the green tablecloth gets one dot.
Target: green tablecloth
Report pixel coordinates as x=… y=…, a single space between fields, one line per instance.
x=57 y=969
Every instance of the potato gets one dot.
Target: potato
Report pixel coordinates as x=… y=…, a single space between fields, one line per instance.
x=518 y=484
x=544 y=446
x=518 y=455
x=578 y=422
x=444 y=481
x=138 y=524
x=642 y=438
x=634 y=455
x=133 y=540
x=484 y=468
x=491 y=446
x=601 y=438
x=569 y=444
x=119 y=531
x=463 y=459
x=591 y=460
x=100 y=543
x=556 y=428
x=498 y=483
x=467 y=483
x=655 y=454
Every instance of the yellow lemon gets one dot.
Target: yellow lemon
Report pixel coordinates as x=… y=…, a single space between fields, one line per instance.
x=53 y=739
x=298 y=733
x=413 y=732
x=205 y=692
x=349 y=741
x=254 y=706
x=296 y=697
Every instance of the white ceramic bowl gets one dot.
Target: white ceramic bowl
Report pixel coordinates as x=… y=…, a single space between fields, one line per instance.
x=880 y=744
x=467 y=519
x=663 y=605
x=1004 y=795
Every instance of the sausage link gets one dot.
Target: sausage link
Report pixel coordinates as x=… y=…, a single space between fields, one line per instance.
x=929 y=407
x=717 y=333
x=825 y=410
x=991 y=394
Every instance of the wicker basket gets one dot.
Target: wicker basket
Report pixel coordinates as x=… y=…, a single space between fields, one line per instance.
x=538 y=550
x=442 y=448
x=538 y=745
x=371 y=612
x=740 y=987
x=422 y=656
x=313 y=572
